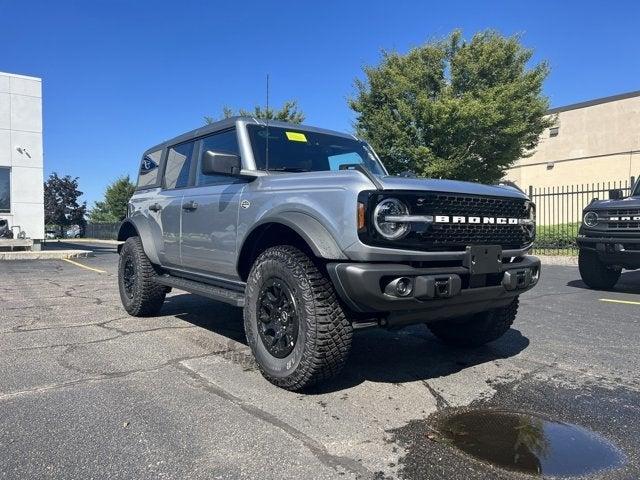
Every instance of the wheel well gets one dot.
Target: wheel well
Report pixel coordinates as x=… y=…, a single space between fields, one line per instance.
x=127 y=230
x=266 y=236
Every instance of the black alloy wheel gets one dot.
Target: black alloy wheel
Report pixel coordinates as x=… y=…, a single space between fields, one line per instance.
x=129 y=276
x=278 y=317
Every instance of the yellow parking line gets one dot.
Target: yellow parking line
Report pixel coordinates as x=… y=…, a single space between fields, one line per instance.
x=83 y=266
x=626 y=302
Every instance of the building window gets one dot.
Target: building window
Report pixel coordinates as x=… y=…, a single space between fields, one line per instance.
x=553 y=131
x=5 y=190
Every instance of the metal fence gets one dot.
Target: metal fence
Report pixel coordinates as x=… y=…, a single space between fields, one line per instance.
x=559 y=213
x=103 y=231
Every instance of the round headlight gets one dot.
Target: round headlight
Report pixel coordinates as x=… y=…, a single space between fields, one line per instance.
x=590 y=219
x=390 y=230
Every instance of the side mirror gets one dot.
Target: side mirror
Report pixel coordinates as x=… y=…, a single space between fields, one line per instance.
x=218 y=163
x=616 y=194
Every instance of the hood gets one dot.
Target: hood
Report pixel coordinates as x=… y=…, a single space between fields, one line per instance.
x=455 y=186
x=629 y=202
x=351 y=179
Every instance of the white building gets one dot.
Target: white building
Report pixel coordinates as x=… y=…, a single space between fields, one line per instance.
x=21 y=159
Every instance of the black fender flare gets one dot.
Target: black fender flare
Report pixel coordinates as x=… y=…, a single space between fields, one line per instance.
x=128 y=228
x=315 y=234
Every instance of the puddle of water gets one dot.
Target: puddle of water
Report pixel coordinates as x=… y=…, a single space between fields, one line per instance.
x=530 y=444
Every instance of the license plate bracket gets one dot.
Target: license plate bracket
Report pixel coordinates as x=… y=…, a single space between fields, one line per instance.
x=483 y=259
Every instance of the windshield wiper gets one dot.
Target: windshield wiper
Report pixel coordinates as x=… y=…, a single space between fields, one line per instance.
x=288 y=169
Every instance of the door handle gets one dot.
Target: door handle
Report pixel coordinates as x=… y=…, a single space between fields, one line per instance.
x=156 y=207
x=191 y=205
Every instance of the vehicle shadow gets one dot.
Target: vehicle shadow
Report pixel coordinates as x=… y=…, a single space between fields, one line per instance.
x=377 y=355
x=629 y=283
x=414 y=354
x=201 y=312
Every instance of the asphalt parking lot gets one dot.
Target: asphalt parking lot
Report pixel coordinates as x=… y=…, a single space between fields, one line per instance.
x=88 y=392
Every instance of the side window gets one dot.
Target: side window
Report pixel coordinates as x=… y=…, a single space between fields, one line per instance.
x=149 y=168
x=176 y=173
x=224 y=142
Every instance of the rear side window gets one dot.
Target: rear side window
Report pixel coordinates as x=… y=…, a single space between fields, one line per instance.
x=223 y=142
x=176 y=173
x=149 y=168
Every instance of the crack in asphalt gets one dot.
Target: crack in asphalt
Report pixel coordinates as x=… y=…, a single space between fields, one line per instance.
x=121 y=334
x=441 y=402
x=316 y=448
x=101 y=377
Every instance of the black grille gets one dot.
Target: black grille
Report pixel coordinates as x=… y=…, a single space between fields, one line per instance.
x=623 y=224
x=457 y=236
x=448 y=204
x=444 y=236
x=623 y=211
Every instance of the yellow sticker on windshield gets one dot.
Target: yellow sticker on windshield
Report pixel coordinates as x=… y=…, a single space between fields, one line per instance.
x=296 y=137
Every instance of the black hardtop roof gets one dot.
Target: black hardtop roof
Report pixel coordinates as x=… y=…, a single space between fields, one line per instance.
x=231 y=122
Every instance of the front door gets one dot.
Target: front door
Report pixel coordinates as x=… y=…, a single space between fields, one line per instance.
x=210 y=214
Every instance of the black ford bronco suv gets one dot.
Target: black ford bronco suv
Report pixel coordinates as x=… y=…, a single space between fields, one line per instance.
x=305 y=229
x=609 y=238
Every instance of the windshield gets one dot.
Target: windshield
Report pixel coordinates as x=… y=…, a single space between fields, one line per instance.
x=293 y=150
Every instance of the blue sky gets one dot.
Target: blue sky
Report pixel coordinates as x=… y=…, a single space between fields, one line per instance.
x=120 y=75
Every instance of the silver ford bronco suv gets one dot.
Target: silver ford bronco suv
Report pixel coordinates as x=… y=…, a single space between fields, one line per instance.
x=306 y=231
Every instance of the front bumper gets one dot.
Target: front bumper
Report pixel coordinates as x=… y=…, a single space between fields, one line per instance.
x=438 y=293
x=619 y=250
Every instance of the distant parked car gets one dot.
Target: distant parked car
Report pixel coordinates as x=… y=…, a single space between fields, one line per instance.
x=73 y=232
x=50 y=235
x=609 y=239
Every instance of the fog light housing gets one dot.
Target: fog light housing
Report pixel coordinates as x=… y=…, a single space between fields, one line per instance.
x=400 y=287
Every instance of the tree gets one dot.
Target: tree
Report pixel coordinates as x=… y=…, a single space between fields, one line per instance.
x=289 y=112
x=114 y=206
x=61 y=205
x=454 y=109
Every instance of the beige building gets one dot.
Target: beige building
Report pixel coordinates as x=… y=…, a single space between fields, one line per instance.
x=591 y=142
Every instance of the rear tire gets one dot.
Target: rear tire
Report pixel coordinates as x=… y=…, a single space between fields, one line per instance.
x=596 y=274
x=481 y=328
x=294 y=323
x=141 y=296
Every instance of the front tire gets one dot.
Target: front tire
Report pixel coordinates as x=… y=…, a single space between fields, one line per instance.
x=141 y=296
x=294 y=323
x=478 y=329
x=596 y=274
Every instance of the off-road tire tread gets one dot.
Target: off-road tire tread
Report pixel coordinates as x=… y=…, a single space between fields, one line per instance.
x=150 y=295
x=329 y=344
x=594 y=273
x=479 y=329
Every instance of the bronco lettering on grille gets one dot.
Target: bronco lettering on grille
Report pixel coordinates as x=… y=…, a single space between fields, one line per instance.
x=481 y=220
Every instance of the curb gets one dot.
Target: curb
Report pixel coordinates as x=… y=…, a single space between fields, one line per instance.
x=565 y=260
x=46 y=255
x=84 y=240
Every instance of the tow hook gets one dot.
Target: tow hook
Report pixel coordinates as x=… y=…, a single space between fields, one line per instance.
x=519 y=279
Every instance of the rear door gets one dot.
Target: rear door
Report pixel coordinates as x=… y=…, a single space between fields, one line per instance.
x=167 y=209
x=210 y=213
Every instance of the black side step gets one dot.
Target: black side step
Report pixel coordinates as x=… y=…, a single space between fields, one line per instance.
x=220 y=294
